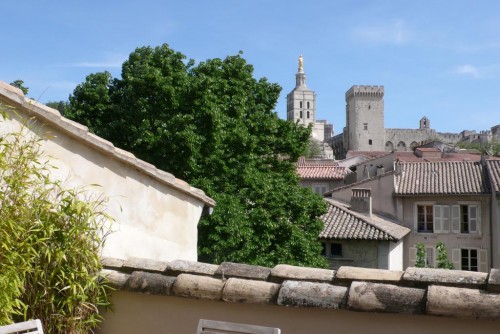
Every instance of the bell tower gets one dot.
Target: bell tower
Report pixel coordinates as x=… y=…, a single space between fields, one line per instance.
x=301 y=101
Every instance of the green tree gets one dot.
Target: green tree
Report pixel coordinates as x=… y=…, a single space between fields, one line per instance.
x=421 y=256
x=60 y=106
x=442 y=256
x=213 y=125
x=20 y=84
x=50 y=241
x=314 y=149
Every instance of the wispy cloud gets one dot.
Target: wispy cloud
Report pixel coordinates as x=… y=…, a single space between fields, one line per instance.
x=98 y=64
x=396 y=32
x=467 y=70
x=478 y=72
x=108 y=61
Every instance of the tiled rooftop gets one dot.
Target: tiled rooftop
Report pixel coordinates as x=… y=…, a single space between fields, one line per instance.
x=440 y=178
x=316 y=162
x=493 y=167
x=418 y=291
x=326 y=169
x=322 y=172
x=411 y=157
x=343 y=223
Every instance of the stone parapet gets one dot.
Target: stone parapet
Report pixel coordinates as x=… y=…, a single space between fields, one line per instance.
x=428 y=276
x=310 y=294
x=435 y=292
x=284 y=272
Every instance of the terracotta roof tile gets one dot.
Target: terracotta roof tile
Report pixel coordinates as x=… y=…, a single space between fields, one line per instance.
x=440 y=178
x=493 y=167
x=342 y=223
x=322 y=172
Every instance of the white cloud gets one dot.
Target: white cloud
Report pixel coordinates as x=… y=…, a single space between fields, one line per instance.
x=108 y=61
x=467 y=70
x=478 y=72
x=396 y=33
x=97 y=64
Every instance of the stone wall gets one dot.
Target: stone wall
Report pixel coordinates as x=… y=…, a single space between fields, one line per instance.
x=155 y=297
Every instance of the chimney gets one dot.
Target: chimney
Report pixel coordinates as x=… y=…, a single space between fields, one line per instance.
x=428 y=153
x=361 y=200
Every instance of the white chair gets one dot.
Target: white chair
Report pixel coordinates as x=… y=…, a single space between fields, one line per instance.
x=221 y=327
x=26 y=327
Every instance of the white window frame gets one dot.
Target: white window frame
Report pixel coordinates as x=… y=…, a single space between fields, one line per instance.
x=429 y=250
x=448 y=217
x=457 y=217
x=482 y=258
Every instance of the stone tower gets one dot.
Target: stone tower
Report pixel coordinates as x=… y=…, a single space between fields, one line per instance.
x=364 y=119
x=301 y=101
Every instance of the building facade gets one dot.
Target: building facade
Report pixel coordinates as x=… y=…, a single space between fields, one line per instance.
x=301 y=107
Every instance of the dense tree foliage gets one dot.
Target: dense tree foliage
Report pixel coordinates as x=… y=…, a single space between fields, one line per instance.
x=213 y=125
x=59 y=105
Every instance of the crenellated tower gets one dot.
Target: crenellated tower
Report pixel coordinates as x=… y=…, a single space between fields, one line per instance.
x=364 y=119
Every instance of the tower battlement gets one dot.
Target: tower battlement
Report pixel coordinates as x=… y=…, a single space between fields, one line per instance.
x=368 y=91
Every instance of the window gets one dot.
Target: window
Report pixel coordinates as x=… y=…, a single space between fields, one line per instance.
x=336 y=250
x=466 y=218
x=300 y=104
x=433 y=218
x=369 y=141
x=469 y=259
x=320 y=189
x=308 y=114
x=429 y=257
x=323 y=249
x=308 y=105
x=425 y=220
x=365 y=126
x=301 y=113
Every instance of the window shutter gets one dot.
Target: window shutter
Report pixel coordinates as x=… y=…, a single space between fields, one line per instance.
x=430 y=258
x=456 y=258
x=455 y=218
x=483 y=260
x=473 y=218
x=412 y=257
x=445 y=210
x=438 y=220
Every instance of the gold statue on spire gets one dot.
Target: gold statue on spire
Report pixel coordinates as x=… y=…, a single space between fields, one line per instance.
x=301 y=64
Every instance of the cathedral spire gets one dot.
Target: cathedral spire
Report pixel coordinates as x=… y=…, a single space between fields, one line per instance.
x=300 y=77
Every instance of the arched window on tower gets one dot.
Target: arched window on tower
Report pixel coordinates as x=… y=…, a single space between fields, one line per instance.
x=301 y=112
x=300 y=104
x=308 y=114
x=308 y=105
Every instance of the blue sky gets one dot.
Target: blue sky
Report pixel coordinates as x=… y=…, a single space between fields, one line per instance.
x=439 y=59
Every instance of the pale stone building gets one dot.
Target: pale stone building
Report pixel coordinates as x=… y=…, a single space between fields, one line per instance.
x=301 y=107
x=155 y=214
x=365 y=130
